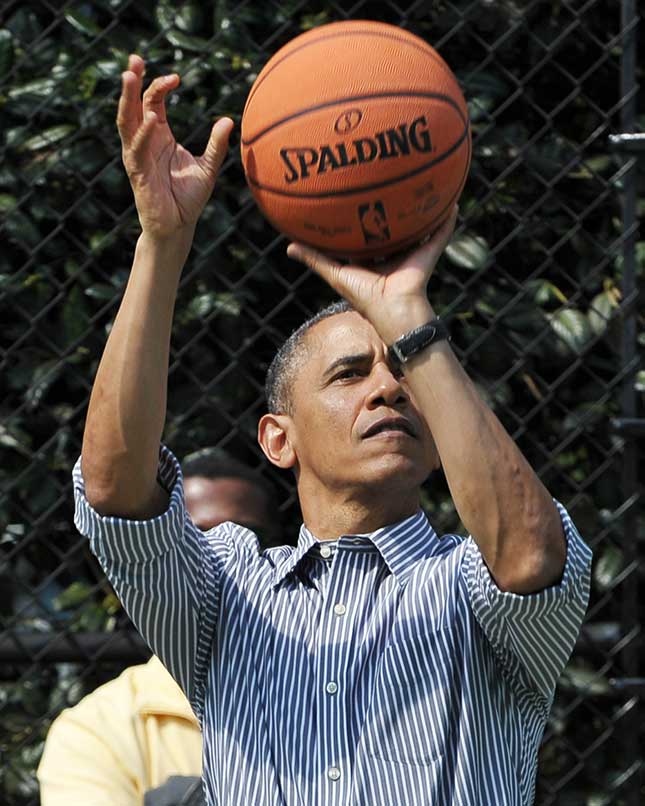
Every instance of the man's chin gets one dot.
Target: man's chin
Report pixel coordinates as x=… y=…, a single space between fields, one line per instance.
x=397 y=470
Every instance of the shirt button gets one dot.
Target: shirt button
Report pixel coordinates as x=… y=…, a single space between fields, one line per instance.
x=333 y=773
x=325 y=551
x=339 y=609
x=332 y=688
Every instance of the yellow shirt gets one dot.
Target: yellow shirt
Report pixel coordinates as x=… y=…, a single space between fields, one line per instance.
x=125 y=738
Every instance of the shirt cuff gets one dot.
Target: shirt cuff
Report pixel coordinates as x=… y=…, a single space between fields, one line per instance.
x=573 y=585
x=134 y=540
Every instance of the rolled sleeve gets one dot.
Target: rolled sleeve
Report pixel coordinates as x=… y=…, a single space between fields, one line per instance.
x=131 y=541
x=532 y=635
x=167 y=575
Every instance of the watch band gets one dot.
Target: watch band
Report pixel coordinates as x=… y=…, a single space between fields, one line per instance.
x=416 y=340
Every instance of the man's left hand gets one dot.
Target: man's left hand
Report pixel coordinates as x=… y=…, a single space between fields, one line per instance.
x=393 y=295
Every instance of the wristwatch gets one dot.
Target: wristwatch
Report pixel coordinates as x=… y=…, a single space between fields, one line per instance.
x=416 y=340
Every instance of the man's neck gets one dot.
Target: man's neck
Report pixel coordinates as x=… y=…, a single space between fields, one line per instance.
x=329 y=514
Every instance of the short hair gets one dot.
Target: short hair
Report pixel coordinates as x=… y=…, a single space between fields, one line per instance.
x=281 y=373
x=216 y=463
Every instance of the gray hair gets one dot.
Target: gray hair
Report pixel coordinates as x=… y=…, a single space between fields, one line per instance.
x=280 y=375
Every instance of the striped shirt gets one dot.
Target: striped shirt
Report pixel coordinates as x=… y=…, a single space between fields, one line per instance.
x=384 y=669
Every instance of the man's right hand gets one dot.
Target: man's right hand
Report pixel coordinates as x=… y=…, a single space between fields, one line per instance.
x=171 y=186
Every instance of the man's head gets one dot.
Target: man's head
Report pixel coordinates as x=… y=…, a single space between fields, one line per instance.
x=287 y=362
x=339 y=413
x=218 y=488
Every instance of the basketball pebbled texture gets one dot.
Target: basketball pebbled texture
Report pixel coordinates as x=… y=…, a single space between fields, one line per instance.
x=356 y=139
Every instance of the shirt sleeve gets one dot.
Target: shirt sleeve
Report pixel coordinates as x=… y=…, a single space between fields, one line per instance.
x=532 y=635
x=167 y=574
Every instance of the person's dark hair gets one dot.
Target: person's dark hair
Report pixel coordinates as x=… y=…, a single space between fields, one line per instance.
x=216 y=463
x=281 y=373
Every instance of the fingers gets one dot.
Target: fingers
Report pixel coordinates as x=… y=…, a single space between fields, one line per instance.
x=135 y=112
x=129 y=114
x=428 y=253
x=326 y=267
x=441 y=237
x=154 y=98
x=217 y=146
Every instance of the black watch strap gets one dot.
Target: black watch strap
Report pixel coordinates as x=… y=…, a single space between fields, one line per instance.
x=416 y=340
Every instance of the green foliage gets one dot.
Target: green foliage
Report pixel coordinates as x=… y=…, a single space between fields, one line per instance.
x=532 y=283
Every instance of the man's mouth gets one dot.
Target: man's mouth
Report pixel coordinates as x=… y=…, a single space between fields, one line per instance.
x=390 y=425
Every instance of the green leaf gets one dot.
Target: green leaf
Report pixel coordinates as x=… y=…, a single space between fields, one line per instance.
x=82 y=22
x=13 y=438
x=187 y=42
x=479 y=107
x=588 y=681
x=601 y=310
x=165 y=14
x=484 y=83
x=21 y=229
x=48 y=137
x=72 y=596
x=202 y=305
x=6 y=51
x=584 y=416
x=572 y=327
x=545 y=292
x=43 y=377
x=590 y=167
x=607 y=567
x=7 y=203
x=101 y=291
x=74 y=316
x=639 y=381
x=310 y=21
x=42 y=87
x=189 y=17
x=468 y=251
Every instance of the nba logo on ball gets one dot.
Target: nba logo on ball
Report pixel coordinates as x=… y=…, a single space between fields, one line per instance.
x=374 y=222
x=356 y=139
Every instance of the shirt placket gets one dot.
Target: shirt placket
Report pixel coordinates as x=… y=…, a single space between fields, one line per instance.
x=337 y=629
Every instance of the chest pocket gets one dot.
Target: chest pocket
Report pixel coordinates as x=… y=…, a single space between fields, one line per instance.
x=411 y=710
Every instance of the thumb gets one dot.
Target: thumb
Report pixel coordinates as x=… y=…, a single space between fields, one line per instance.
x=217 y=146
x=326 y=267
x=353 y=283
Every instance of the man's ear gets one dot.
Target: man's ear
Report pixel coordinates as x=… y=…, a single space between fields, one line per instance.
x=274 y=437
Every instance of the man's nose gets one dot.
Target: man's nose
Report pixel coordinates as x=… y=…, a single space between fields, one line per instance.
x=386 y=389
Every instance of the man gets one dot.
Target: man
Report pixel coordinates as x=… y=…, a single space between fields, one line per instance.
x=219 y=488
x=136 y=739
x=373 y=664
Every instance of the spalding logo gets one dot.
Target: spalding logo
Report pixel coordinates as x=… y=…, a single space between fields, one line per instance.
x=391 y=143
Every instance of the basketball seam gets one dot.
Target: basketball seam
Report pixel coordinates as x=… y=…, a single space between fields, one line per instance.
x=437 y=96
x=365 y=188
x=424 y=48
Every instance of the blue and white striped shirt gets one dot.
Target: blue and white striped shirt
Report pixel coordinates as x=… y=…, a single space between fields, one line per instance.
x=376 y=670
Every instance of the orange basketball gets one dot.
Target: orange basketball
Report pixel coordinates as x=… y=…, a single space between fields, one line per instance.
x=356 y=139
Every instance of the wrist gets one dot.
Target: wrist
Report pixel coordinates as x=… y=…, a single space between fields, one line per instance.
x=170 y=249
x=401 y=316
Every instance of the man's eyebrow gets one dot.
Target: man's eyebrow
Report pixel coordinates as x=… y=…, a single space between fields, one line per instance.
x=347 y=361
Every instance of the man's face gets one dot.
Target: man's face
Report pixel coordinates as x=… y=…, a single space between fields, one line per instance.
x=213 y=501
x=354 y=423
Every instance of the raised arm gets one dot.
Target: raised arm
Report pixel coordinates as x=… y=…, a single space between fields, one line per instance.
x=127 y=407
x=499 y=498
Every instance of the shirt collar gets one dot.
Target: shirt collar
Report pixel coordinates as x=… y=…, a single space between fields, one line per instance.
x=401 y=545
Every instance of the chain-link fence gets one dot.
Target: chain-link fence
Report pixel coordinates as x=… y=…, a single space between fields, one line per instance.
x=541 y=282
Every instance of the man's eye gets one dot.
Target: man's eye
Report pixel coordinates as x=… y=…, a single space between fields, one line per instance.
x=346 y=374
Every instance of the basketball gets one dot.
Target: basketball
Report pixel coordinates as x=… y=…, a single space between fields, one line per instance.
x=356 y=139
